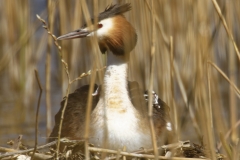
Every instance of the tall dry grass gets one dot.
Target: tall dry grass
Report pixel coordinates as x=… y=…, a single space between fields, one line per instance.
x=204 y=105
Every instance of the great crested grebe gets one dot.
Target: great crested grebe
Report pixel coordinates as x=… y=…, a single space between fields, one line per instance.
x=120 y=107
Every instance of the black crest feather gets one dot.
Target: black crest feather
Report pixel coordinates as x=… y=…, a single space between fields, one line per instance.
x=113 y=10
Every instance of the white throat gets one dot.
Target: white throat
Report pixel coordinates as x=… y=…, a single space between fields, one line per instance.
x=115 y=82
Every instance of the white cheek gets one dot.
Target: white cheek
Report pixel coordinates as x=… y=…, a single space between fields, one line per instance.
x=107 y=25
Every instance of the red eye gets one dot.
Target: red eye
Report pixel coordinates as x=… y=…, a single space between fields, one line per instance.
x=99 y=25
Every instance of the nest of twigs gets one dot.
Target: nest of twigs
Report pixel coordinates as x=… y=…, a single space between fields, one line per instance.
x=72 y=149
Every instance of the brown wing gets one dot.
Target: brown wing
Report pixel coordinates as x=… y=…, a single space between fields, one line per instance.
x=160 y=115
x=74 y=117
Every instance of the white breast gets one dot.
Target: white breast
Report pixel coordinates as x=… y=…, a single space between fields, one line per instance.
x=118 y=129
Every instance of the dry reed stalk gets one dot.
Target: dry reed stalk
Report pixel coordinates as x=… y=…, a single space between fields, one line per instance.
x=118 y=155
x=237 y=91
x=92 y=82
x=172 y=104
x=24 y=48
x=209 y=94
x=89 y=102
x=205 y=38
x=64 y=19
x=226 y=146
x=232 y=76
x=124 y=149
x=88 y=113
x=61 y=121
x=226 y=27
x=150 y=89
x=51 y=16
x=77 y=49
x=37 y=112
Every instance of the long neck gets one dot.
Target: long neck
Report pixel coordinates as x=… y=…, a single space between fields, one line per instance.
x=115 y=82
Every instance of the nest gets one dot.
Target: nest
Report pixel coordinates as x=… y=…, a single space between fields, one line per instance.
x=73 y=149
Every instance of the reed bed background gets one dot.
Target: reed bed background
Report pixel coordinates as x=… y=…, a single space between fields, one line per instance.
x=190 y=39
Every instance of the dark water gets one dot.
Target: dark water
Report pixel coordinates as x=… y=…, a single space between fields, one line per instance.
x=17 y=119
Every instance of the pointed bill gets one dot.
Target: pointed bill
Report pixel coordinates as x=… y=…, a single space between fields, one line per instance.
x=80 y=33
